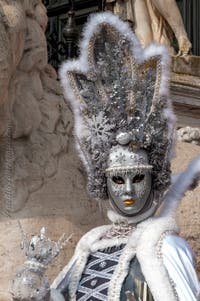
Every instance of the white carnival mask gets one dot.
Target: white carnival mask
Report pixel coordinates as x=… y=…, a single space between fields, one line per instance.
x=129 y=180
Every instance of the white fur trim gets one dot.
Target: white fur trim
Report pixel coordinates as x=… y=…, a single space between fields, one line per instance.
x=92 y=27
x=154 y=50
x=63 y=273
x=83 y=247
x=151 y=264
x=56 y=296
x=116 y=218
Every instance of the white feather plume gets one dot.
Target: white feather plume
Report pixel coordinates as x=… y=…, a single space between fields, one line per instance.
x=182 y=183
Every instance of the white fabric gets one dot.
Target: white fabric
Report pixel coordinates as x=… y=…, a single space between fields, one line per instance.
x=178 y=260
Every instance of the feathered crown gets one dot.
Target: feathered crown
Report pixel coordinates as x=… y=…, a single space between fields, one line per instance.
x=117 y=88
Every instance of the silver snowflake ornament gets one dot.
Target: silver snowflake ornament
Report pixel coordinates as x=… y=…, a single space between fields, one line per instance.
x=99 y=129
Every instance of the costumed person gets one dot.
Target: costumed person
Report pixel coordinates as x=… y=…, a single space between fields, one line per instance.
x=125 y=132
x=124 y=129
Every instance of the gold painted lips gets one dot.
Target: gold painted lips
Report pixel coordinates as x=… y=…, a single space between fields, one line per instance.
x=129 y=202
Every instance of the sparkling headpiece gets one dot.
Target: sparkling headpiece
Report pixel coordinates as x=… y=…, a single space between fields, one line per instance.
x=119 y=95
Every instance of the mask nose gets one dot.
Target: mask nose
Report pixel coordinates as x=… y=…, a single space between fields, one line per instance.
x=129 y=186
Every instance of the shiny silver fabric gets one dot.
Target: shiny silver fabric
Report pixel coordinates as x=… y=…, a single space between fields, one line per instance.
x=129 y=179
x=135 y=287
x=179 y=261
x=144 y=293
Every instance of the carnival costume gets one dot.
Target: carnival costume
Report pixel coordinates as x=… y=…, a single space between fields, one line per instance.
x=125 y=132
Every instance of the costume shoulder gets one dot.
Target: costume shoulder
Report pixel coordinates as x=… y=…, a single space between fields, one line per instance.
x=84 y=246
x=178 y=260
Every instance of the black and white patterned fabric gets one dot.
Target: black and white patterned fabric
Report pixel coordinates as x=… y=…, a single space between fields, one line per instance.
x=97 y=274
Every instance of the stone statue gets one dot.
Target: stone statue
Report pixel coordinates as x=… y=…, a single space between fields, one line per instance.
x=34 y=115
x=154 y=20
x=37 y=159
x=189 y=134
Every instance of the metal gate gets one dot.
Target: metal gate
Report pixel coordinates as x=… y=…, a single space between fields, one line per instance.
x=190 y=10
x=58 y=14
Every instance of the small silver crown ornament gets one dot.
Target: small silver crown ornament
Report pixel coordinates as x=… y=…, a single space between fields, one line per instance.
x=30 y=282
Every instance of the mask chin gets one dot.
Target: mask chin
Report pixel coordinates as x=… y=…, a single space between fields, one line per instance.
x=146 y=211
x=117 y=218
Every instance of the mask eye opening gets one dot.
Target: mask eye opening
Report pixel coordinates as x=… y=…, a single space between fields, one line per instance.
x=118 y=180
x=138 y=178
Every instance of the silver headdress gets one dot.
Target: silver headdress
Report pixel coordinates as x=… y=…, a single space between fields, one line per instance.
x=119 y=95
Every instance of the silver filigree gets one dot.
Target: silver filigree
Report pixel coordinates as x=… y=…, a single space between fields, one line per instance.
x=30 y=282
x=100 y=130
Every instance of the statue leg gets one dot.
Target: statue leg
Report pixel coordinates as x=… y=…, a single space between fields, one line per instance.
x=170 y=12
x=142 y=22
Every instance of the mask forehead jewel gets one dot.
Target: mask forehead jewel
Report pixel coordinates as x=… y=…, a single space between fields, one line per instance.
x=123 y=138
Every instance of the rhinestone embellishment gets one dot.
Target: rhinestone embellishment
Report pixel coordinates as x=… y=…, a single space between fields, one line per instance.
x=93 y=282
x=103 y=264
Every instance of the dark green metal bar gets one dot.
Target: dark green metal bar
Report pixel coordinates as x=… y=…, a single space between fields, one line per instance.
x=56 y=10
